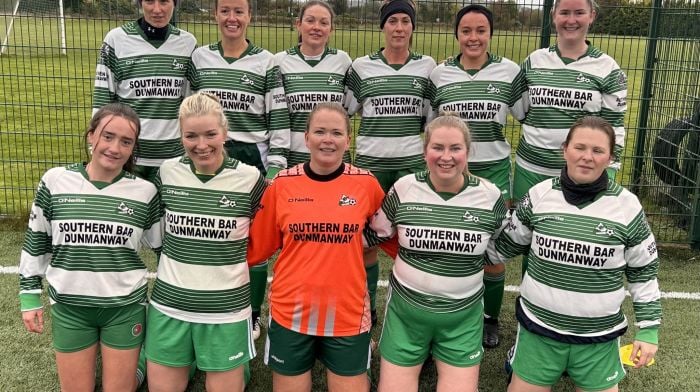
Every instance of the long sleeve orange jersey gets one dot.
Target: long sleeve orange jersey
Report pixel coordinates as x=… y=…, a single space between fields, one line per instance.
x=319 y=285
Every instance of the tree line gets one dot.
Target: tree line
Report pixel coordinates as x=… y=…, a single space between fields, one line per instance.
x=615 y=17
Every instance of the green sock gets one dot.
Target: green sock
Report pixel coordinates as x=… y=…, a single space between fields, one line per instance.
x=493 y=294
x=372 y=279
x=258 y=283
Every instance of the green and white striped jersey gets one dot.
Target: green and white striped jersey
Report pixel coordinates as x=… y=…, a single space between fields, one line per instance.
x=439 y=266
x=84 y=237
x=393 y=106
x=483 y=100
x=202 y=273
x=250 y=91
x=559 y=93
x=149 y=77
x=306 y=83
x=577 y=258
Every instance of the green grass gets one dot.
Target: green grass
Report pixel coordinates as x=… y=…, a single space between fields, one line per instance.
x=48 y=105
x=28 y=362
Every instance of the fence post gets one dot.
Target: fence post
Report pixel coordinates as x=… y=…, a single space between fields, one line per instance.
x=647 y=85
x=546 y=23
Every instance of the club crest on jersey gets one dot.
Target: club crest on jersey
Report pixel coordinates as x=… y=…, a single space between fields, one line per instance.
x=333 y=81
x=582 y=79
x=468 y=217
x=225 y=202
x=417 y=84
x=178 y=65
x=32 y=216
x=602 y=230
x=137 y=329
x=246 y=80
x=346 y=201
x=491 y=89
x=124 y=209
x=651 y=248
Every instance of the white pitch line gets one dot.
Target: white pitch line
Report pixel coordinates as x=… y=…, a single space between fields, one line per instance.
x=13 y=270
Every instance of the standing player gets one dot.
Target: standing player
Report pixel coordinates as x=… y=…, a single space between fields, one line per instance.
x=249 y=87
x=444 y=219
x=312 y=72
x=483 y=88
x=84 y=231
x=143 y=64
x=388 y=88
x=582 y=232
x=319 y=301
x=566 y=81
x=200 y=305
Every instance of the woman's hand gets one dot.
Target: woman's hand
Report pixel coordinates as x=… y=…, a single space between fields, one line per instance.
x=33 y=320
x=642 y=353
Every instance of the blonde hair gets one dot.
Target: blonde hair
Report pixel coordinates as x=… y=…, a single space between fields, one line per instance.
x=448 y=120
x=202 y=104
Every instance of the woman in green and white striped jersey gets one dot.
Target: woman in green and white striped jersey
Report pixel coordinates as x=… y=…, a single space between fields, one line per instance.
x=200 y=305
x=312 y=72
x=582 y=233
x=85 y=229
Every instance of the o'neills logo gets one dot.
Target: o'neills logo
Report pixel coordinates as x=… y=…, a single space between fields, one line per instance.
x=413 y=208
x=71 y=200
x=300 y=200
x=178 y=193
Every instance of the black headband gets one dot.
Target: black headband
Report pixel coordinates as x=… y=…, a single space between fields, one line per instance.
x=396 y=7
x=474 y=8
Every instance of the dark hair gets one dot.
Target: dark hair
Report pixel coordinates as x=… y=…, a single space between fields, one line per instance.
x=391 y=7
x=330 y=106
x=310 y=4
x=478 y=8
x=593 y=122
x=138 y=2
x=116 y=109
x=250 y=6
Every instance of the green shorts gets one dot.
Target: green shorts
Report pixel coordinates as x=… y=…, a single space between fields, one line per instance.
x=388 y=178
x=148 y=173
x=499 y=175
x=410 y=333
x=523 y=180
x=253 y=154
x=541 y=361
x=215 y=347
x=291 y=353
x=76 y=328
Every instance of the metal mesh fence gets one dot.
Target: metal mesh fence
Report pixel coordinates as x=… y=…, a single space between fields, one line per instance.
x=46 y=96
x=666 y=175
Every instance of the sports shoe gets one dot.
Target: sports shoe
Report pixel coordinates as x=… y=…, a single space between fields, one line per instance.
x=257 y=328
x=491 y=338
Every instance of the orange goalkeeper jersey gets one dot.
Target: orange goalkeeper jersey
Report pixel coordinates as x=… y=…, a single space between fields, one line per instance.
x=319 y=285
